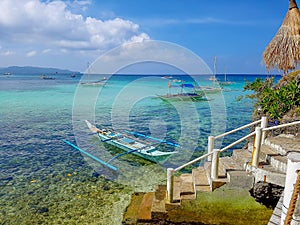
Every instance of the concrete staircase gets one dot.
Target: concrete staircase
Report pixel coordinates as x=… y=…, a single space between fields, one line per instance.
x=152 y=206
x=273 y=158
x=235 y=171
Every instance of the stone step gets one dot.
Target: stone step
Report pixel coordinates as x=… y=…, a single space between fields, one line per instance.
x=283 y=144
x=187 y=191
x=229 y=164
x=176 y=189
x=239 y=180
x=279 y=162
x=201 y=182
x=270 y=174
x=265 y=152
x=222 y=167
x=131 y=215
x=216 y=183
x=144 y=212
x=159 y=203
x=273 y=158
x=243 y=156
x=221 y=171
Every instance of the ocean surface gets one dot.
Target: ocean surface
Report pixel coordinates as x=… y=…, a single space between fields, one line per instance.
x=45 y=181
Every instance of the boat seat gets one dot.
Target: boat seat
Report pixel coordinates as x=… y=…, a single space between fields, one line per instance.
x=127 y=140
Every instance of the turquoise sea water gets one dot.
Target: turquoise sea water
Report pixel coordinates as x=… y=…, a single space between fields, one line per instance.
x=44 y=181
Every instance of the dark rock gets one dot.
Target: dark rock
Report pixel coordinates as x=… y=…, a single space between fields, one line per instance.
x=298 y=80
x=266 y=193
x=42 y=210
x=106 y=187
x=96 y=174
x=39 y=209
x=6 y=178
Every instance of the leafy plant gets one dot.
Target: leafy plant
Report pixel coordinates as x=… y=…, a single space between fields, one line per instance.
x=274 y=100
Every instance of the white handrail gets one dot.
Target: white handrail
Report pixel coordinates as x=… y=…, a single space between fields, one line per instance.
x=223 y=149
x=237 y=129
x=193 y=161
x=282 y=125
x=237 y=142
x=211 y=152
x=259 y=133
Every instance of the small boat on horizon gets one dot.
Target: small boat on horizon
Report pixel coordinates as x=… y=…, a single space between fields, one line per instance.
x=94 y=83
x=45 y=77
x=214 y=88
x=100 y=82
x=213 y=77
x=167 y=77
x=225 y=82
x=89 y=82
x=7 y=74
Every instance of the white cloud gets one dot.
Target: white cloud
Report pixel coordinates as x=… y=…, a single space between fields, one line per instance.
x=31 y=53
x=46 y=50
x=7 y=53
x=51 y=24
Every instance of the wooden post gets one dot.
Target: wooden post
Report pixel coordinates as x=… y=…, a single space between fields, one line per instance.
x=293 y=166
x=256 y=147
x=215 y=164
x=170 y=184
x=210 y=146
x=264 y=124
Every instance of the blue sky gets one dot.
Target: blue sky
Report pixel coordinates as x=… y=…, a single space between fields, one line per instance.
x=68 y=34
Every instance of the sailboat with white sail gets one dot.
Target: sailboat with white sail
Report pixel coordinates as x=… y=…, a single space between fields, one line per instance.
x=214 y=88
x=88 y=82
x=225 y=82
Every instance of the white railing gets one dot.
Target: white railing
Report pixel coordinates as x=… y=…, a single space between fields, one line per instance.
x=260 y=138
x=211 y=139
x=214 y=154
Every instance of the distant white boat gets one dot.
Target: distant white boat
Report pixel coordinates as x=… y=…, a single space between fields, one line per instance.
x=214 y=88
x=213 y=77
x=7 y=74
x=88 y=82
x=94 y=83
x=45 y=77
x=167 y=77
x=225 y=82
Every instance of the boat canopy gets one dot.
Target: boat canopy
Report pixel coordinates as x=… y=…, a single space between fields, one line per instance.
x=184 y=85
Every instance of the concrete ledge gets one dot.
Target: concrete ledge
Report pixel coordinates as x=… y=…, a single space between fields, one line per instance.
x=240 y=180
x=268 y=174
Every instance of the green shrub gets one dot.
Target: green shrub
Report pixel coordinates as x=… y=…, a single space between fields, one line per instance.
x=274 y=100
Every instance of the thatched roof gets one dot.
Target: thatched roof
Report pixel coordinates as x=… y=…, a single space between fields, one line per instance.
x=283 y=52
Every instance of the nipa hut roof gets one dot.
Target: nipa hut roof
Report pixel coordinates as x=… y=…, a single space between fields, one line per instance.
x=283 y=52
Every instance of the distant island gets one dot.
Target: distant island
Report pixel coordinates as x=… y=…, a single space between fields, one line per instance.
x=34 y=70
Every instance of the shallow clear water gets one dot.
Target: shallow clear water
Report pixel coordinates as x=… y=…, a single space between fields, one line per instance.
x=43 y=180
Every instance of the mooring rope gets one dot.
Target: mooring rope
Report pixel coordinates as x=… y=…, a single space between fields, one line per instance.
x=292 y=206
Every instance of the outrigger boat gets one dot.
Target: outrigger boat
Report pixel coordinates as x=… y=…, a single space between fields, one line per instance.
x=131 y=144
x=182 y=95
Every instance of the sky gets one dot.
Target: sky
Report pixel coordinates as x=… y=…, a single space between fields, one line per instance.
x=69 y=34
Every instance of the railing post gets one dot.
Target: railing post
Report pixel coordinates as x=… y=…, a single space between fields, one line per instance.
x=170 y=184
x=210 y=146
x=215 y=164
x=256 y=147
x=293 y=166
x=264 y=124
